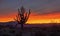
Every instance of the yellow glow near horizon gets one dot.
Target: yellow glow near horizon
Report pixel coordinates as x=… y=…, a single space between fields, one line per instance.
x=45 y=21
x=35 y=18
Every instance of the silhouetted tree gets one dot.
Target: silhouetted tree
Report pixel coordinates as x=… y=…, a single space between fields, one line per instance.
x=22 y=17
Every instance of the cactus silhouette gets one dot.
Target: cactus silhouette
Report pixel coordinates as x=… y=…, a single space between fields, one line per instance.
x=22 y=17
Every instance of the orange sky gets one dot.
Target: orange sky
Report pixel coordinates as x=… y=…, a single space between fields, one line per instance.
x=45 y=18
x=35 y=18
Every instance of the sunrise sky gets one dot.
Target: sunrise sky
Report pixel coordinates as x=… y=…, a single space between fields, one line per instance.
x=42 y=11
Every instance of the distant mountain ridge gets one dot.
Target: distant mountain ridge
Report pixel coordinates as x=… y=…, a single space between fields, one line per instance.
x=29 y=25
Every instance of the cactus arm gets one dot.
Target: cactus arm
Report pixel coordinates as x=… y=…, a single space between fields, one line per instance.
x=16 y=19
x=27 y=16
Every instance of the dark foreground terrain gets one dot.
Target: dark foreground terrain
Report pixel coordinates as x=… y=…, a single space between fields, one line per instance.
x=9 y=30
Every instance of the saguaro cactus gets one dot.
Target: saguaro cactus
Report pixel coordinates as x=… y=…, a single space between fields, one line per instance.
x=22 y=16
